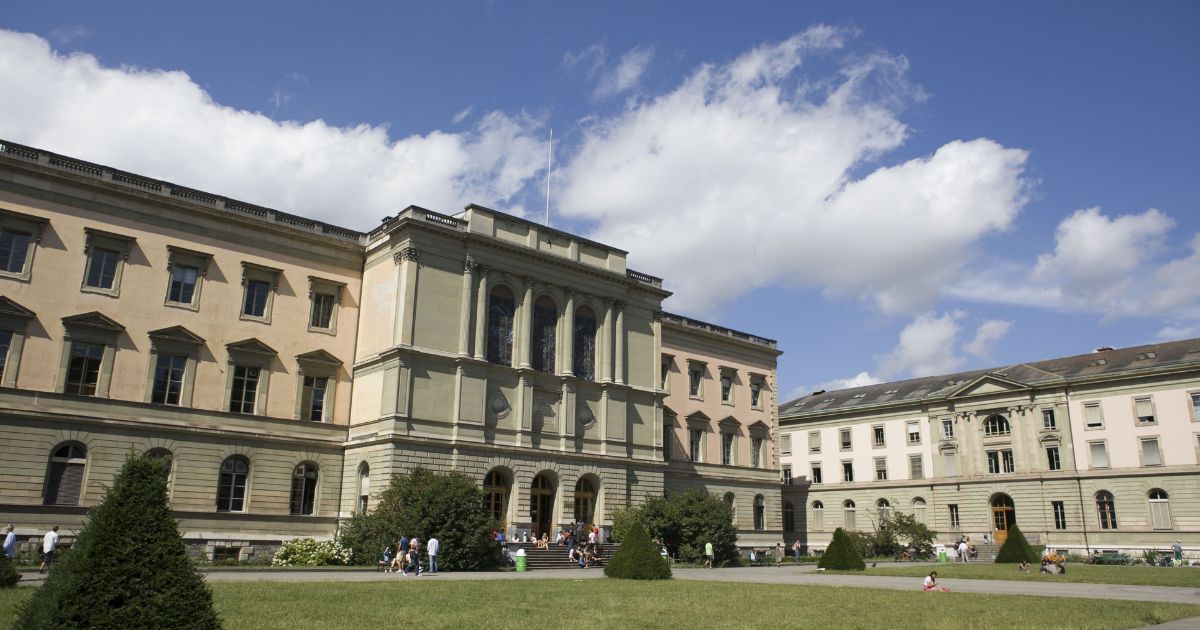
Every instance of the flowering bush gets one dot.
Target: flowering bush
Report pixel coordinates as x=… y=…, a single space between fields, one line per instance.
x=306 y=552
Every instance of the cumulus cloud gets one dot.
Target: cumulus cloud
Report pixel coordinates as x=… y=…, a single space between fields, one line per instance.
x=987 y=336
x=162 y=124
x=858 y=380
x=926 y=347
x=745 y=175
x=627 y=73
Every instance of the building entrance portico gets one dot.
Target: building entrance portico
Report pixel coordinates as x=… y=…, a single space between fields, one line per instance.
x=1004 y=516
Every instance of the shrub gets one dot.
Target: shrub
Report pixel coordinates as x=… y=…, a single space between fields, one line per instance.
x=684 y=522
x=1016 y=548
x=306 y=552
x=637 y=558
x=128 y=567
x=449 y=507
x=841 y=554
x=8 y=572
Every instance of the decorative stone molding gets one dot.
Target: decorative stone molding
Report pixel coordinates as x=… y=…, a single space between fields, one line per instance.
x=584 y=414
x=470 y=265
x=498 y=404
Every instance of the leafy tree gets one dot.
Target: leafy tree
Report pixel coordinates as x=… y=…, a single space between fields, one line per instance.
x=637 y=558
x=622 y=521
x=8 y=572
x=424 y=504
x=684 y=522
x=128 y=567
x=891 y=533
x=1016 y=549
x=841 y=554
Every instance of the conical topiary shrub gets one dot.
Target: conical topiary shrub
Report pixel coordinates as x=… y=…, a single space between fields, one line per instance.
x=128 y=567
x=8 y=572
x=1016 y=548
x=841 y=554
x=636 y=558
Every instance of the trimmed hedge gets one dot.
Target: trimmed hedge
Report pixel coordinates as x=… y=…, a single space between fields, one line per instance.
x=8 y=572
x=1016 y=549
x=841 y=554
x=637 y=558
x=128 y=567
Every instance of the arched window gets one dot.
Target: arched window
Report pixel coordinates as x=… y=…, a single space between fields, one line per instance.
x=304 y=489
x=501 y=308
x=760 y=513
x=996 y=425
x=231 y=486
x=789 y=517
x=1107 y=508
x=584 y=352
x=1160 y=509
x=848 y=509
x=495 y=493
x=919 y=509
x=165 y=458
x=64 y=479
x=364 y=487
x=731 y=501
x=585 y=501
x=545 y=326
x=818 y=519
x=885 y=508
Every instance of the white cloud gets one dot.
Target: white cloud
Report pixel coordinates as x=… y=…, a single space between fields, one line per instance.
x=161 y=124
x=987 y=336
x=744 y=176
x=69 y=34
x=627 y=73
x=926 y=347
x=590 y=59
x=858 y=380
x=462 y=115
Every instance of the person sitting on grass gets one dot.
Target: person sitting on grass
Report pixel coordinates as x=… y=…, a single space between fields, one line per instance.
x=1023 y=567
x=932 y=585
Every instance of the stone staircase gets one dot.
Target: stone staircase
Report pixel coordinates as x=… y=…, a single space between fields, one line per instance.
x=987 y=552
x=556 y=558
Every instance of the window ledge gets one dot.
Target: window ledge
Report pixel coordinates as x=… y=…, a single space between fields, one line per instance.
x=114 y=292
x=19 y=277
x=182 y=305
x=324 y=331
x=252 y=318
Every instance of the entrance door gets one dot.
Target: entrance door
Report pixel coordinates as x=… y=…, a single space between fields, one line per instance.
x=541 y=505
x=1004 y=516
x=585 y=502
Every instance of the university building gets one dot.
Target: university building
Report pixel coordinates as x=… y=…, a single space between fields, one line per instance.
x=287 y=368
x=1090 y=452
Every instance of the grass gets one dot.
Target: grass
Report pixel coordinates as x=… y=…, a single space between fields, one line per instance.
x=630 y=604
x=1188 y=577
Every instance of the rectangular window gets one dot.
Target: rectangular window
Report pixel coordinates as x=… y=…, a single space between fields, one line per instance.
x=785 y=443
x=1060 y=514
x=916 y=467
x=1151 y=456
x=844 y=435
x=102 y=268
x=694 y=378
x=1092 y=417
x=726 y=388
x=1144 y=408
x=322 y=310
x=954 y=522
x=816 y=474
x=914 y=433
x=880 y=469
x=947 y=429
x=993 y=462
x=756 y=448
x=756 y=393
x=1052 y=459
x=727 y=449
x=1195 y=407
x=847 y=471
x=664 y=376
x=83 y=372
x=1048 y=421
x=14 y=250
x=183 y=284
x=5 y=343
x=1006 y=460
x=168 y=379
x=814 y=441
x=313 y=398
x=245 y=389
x=950 y=463
x=695 y=441
x=787 y=475
x=877 y=433
x=1099 y=453
x=255 y=304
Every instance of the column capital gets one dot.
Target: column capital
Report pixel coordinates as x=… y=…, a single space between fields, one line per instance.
x=470 y=265
x=529 y=282
x=658 y=316
x=408 y=253
x=482 y=271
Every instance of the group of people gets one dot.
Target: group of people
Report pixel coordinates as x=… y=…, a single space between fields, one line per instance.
x=581 y=544
x=49 y=545
x=966 y=549
x=408 y=556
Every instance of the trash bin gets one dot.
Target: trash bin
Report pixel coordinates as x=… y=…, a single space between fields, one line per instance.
x=941 y=551
x=521 y=566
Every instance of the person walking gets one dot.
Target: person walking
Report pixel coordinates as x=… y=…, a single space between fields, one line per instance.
x=10 y=542
x=1177 y=548
x=796 y=546
x=962 y=550
x=49 y=544
x=433 y=545
x=779 y=554
x=708 y=556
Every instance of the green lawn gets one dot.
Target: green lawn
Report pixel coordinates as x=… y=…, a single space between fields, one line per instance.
x=621 y=604
x=1085 y=573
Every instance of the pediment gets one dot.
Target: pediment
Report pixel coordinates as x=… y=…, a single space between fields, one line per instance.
x=319 y=356
x=759 y=425
x=988 y=384
x=176 y=333
x=94 y=320
x=698 y=417
x=667 y=411
x=9 y=308
x=730 y=421
x=251 y=345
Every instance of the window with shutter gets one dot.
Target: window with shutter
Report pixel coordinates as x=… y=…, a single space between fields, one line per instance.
x=1099 y=454
x=64 y=479
x=1160 y=509
x=1151 y=455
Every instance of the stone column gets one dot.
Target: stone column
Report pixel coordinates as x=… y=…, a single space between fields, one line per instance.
x=568 y=337
x=464 y=322
x=406 y=293
x=606 y=348
x=481 y=300
x=526 y=326
x=619 y=343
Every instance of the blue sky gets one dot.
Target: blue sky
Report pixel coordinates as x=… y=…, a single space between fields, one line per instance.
x=889 y=189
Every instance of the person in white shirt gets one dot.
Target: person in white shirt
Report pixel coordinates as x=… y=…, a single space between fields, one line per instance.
x=10 y=542
x=962 y=551
x=49 y=542
x=432 y=545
